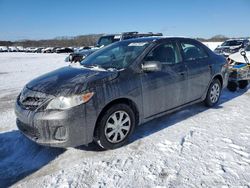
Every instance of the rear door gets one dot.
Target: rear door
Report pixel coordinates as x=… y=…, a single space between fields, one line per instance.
x=164 y=90
x=198 y=68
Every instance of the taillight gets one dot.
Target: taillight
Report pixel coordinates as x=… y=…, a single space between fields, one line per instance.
x=228 y=62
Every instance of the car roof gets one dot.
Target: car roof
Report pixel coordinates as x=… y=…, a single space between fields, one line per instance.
x=110 y=35
x=153 y=38
x=236 y=39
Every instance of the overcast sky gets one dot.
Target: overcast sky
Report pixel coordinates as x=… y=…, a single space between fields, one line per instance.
x=43 y=19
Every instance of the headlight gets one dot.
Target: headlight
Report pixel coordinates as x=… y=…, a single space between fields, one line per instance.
x=62 y=103
x=70 y=57
x=217 y=50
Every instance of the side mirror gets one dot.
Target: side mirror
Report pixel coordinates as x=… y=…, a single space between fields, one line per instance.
x=151 y=66
x=243 y=53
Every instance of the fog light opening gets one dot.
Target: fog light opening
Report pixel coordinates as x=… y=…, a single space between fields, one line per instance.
x=60 y=133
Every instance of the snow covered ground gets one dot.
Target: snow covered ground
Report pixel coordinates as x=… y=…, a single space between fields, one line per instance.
x=212 y=45
x=194 y=147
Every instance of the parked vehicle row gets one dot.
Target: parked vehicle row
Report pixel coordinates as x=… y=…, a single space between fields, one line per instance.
x=104 y=41
x=11 y=49
x=37 y=49
x=51 y=50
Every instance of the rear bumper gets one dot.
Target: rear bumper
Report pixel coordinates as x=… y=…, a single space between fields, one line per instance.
x=67 y=128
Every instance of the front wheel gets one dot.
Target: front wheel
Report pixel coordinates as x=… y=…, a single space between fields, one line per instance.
x=213 y=93
x=115 y=126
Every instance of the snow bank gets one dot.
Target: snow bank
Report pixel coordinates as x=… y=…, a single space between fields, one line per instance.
x=212 y=45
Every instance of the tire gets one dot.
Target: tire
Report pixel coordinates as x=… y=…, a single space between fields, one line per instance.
x=213 y=93
x=110 y=135
x=243 y=84
x=232 y=86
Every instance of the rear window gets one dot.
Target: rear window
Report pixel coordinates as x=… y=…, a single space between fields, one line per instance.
x=248 y=48
x=106 y=40
x=193 y=51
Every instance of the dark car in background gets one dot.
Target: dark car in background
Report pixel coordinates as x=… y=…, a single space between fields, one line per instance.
x=50 y=49
x=64 y=50
x=117 y=88
x=231 y=46
x=106 y=40
x=39 y=50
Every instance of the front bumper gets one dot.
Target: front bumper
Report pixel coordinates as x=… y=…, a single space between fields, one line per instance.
x=67 y=128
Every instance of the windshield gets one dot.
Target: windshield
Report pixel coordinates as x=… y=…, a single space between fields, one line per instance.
x=106 y=40
x=232 y=43
x=118 y=55
x=248 y=48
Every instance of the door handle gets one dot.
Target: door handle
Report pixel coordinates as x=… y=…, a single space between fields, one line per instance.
x=182 y=73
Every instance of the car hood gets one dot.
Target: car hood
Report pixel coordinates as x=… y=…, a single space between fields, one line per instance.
x=69 y=80
x=228 y=47
x=86 y=52
x=237 y=57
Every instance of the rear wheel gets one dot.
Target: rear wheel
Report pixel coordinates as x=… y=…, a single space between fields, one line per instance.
x=232 y=86
x=213 y=94
x=115 y=126
x=243 y=84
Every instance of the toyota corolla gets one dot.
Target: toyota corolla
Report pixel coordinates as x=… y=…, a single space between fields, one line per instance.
x=117 y=88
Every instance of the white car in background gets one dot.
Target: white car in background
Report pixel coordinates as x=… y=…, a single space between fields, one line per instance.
x=238 y=57
x=29 y=49
x=13 y=49
x=4 y=49
x=20 y=48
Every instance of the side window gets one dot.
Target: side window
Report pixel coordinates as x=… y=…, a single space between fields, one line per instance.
x=193 y=51
x=167 y=53
x=245 y=43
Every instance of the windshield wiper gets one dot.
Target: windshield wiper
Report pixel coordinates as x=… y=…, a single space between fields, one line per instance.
x=93 y=66
x=96 y=66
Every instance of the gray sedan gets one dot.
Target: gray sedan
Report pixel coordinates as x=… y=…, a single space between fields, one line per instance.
x=117 y=88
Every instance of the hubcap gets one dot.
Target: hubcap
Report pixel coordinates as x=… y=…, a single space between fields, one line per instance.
x=117 y=126
x=215 y=93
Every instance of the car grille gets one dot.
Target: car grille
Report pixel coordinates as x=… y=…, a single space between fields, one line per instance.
x=227 y=50
x=31 y=100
